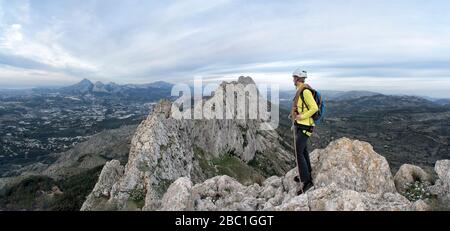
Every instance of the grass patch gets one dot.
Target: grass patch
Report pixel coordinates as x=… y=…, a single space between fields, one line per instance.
x=205 y=164
x=263 y=165
x=417 y=191
x=228 y=164
x=137 y=197
x=234 y=167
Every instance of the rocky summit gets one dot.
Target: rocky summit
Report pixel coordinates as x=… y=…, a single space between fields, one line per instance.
x=348 y=176
x=213 y=165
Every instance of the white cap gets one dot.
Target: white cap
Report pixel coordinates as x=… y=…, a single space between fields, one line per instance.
x=300 y=73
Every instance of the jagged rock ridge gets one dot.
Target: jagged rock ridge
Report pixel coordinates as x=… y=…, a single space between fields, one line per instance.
x=165 y=149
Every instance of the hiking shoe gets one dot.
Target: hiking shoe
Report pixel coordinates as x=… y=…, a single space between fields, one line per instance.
x=307 y=186
x=297 y=179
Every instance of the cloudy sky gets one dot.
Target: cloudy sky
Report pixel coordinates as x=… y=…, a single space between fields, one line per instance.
x=387 y=46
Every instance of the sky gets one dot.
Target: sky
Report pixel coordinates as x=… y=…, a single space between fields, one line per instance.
x=400 y=47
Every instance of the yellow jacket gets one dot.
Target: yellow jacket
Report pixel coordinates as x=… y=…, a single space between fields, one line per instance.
x=305 y=114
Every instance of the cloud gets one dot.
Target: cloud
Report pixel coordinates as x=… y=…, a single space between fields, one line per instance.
x=11 y=36
x=44 y=48
x=180 y=10
x=144 y=41
x=32 y=78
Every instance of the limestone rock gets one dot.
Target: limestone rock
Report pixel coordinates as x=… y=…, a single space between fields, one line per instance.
x=279 y=193
x=299 y=203
x=442 y=168
x=421 y=205
x=441 y=188
x=178 y=196
x=209 y=197
x=409 y=174
x=352 y=165
x=111 y=172
x=386 y=202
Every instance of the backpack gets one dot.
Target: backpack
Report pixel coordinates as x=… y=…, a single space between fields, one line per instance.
x=320 y=114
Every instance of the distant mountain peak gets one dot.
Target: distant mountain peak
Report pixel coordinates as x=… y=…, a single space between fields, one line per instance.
x=84 y=86
x=161 y=84
x=84 y=81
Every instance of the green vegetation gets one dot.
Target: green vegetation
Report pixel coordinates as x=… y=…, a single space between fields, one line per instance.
x=137 y=194
x=232 y=166
x=29 y=194
x=417 y=191
x=75 y=190
x=36 y=192
x=228 y=164
x=137 y=197
x=263 y=165
x=205 y=164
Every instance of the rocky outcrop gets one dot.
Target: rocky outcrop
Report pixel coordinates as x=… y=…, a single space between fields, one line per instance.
x=164 y=149
x=178 y=196
x=352 y=165
x=408 y=174
x=370 y=189
x=441 y=188
x=112 y=171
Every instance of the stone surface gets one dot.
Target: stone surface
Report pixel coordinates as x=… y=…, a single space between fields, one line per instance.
x=353 y=165
x=409 y=174
x=279 y=193
x=111 y=172
x=421 y=205
x=178 y=196
x=441 y=188
x=442 y=169
x=225 y=194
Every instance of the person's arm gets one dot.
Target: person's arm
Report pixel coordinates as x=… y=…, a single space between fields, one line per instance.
x=312 y=105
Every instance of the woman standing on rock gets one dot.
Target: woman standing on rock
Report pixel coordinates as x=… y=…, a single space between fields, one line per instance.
x=304 y=106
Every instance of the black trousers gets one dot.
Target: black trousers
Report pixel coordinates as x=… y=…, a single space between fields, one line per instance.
x=303 y=161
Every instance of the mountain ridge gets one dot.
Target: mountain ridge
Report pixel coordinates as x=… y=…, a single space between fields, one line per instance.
x=86 y=86
x=159 y=176
x=164 y=149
